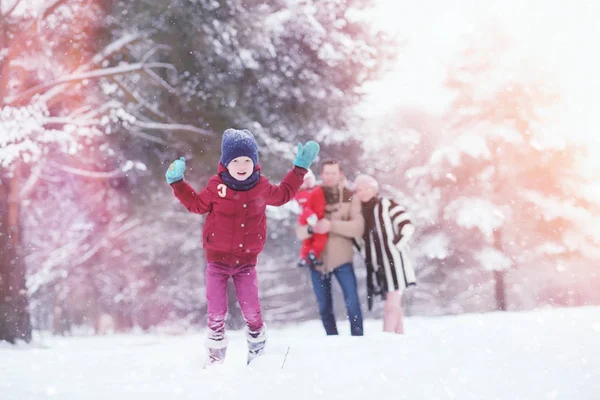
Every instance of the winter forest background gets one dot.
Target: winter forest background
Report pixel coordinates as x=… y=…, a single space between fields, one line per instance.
x=479 y=119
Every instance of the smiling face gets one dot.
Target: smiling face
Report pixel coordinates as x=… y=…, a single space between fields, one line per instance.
x=365 y=192
x=366 y=187
x=241 y=168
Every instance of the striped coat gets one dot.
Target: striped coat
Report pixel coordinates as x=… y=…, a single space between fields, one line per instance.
x=384 y=246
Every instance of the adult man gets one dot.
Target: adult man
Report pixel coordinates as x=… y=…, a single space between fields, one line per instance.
x=343 y=221
x=383 y=245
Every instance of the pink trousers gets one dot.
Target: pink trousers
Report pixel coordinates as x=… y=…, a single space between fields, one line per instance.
x=246 y=288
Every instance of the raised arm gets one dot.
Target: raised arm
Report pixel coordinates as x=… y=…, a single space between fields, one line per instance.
x=278 y=195
x=284 y=192
x=196 y=202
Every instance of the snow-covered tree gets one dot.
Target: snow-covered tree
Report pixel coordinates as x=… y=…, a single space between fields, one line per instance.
x=288 y=70
x=238 y=66
x=55 y=117
x=503 y=178
x=95 y=99
x=32 y=126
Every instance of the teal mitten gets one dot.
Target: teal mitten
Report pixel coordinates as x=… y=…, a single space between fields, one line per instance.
x=175 y=171
x=306 y=154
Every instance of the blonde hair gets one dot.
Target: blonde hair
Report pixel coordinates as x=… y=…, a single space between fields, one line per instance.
x=367 y=180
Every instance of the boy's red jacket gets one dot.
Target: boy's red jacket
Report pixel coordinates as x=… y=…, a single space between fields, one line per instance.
x=235 y=230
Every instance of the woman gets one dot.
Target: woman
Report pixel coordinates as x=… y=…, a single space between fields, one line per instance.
x=384 y=249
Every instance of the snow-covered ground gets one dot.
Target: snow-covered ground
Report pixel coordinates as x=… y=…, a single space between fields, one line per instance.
x=542 y=355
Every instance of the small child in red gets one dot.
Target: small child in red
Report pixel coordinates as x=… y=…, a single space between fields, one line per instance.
x=234 y=234
x=312 y=247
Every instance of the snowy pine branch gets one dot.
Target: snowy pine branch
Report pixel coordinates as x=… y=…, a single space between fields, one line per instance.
x=172 y=127
x=77 y=77
x=97 y=60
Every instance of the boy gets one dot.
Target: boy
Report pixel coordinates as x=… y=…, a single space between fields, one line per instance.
x=234 y=232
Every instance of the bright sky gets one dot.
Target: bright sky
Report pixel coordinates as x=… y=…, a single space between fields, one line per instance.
x=561 y=38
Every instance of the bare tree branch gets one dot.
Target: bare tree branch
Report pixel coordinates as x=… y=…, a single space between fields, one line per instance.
x=134 y=97
x=159 y=80
x=71 y=121
x=51 y=9
x=111 y=104
x=95 y=74
x=128 y=93
x=151 y=52
x=149 y=137
x=36 y=25
x=105 y=240
x=79 y=111
x=89 y=174
x=10 y=10
x=33 y=178
x=172 y=127
x=96 y=60
x=113 y=48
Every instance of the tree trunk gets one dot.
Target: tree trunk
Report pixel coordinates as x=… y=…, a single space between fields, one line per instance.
x=500 y=290
x=15 y=323
x=499 y=275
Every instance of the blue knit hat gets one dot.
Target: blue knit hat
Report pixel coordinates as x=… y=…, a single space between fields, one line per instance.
x=237 y=143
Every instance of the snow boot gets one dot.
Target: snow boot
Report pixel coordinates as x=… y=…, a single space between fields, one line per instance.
x=256 y=343
x=216 y=350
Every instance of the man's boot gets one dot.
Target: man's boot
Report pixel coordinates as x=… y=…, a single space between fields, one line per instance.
x=314 y=261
